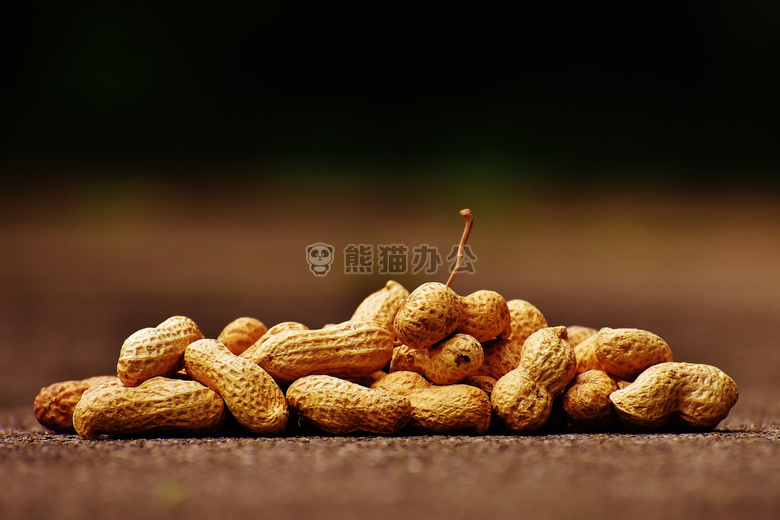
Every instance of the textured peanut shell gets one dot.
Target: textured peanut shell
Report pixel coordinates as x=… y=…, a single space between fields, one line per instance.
x=251 y=395
x=549 y=359
x=351 y=349
x=586 y=401
x=249 y=353
x=521 y=402
x=428 y=315
x=484 y=315
x=484 y=383
x=54 y=404
x=524 y=320
x=157 y=406
x=500 y=356
x=578 y=333
x=445 y=363
x=340 y=407
x=690 y=396
x=241 y=333
x=445 y=409
x=439 y=409
x=402 y=382
x=382 y=305
x=626 y=353
x=156 y=351
x=585 y=353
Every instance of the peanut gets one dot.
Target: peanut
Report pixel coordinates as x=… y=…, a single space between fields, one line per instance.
x=351 y=349
x=691 y=396
x=586 y=401
x=523 y=398
x=340 y=407
x=484 y=383
x=585 y=352
x=433 y=312
x=440 y=409
x=525 y=319
x=156 y=351
x=579 y=333
x=626 y=353
x=54 y=404
x=156 y=406
x=445 y=363
x=382 y=305
x=501 y=356
x=251 y=395
x=241 y=333
x=249 y=353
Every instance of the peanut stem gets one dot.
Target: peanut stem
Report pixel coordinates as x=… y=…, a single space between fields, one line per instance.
x=469 y=216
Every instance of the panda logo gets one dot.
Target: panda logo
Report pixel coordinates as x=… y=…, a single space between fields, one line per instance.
x=319 y=256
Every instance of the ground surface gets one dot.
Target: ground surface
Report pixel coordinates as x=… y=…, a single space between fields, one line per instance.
x=82 y=270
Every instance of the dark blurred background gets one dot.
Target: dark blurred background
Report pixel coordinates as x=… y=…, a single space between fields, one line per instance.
x=622 y=163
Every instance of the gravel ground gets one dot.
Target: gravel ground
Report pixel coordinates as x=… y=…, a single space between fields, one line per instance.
x=723 y=474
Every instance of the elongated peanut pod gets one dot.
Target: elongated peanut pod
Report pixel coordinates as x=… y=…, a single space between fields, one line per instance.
x=348 y=350
x=445 y=363
x=156 y=351
x=691 y=396
x=339 y=407
x=157 y=406
x=251 y=395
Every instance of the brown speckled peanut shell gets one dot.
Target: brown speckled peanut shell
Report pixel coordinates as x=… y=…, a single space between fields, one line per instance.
x=351 y=349
x=484 y=315
x=524 y=320
x=586 y=401
x=156 y=351
x=501 y=356
x=251 y=395
x=157 y=406
x=549 y=359
x=54 y=404
x=445 y=363
x=382 y=305
x=241 y=333
x=626 y=353
x=690 y=396
x=340 y=407
x=428 y=315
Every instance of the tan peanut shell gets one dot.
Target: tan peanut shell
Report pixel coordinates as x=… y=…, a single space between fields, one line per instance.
x=382 y=305
x=156 y=351
x=241 y=333
x=251 y=395
x=549 y=359
x=524 y=320
x=484 y=315
x=249 y=353
x=445 y=363
x=690 y=396
x=54 y=404
x=351 y=349
x=428 y=315
x=501 y=355
x=340 y=407
x=440 y=409
x=585 y=353
x=586 y=401
x=484 y=383
x=579 y=333
x=626 y=353
x=157 y=406
x=523 y=398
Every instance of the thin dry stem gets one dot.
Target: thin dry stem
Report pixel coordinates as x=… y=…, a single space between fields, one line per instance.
x=469 y=216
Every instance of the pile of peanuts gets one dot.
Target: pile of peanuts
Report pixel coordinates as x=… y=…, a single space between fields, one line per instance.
x=425 y=362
